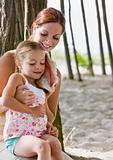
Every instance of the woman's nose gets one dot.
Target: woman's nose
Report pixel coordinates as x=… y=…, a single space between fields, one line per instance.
x=48 y=41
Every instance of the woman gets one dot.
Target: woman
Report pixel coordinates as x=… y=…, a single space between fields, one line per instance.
x=46 y=30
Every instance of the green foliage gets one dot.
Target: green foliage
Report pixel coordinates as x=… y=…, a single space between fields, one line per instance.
x=82 y=60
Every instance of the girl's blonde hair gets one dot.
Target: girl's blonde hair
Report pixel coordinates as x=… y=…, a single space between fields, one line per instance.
x=24 y=47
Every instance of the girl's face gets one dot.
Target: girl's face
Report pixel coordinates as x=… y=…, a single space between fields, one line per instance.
x=48 y=35
x=33 y=65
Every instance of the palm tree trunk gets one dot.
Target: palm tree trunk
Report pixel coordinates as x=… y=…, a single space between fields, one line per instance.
x=11 y=24
x=107 y=36
x=67 y=54
x=74 y=49
x=100 y=38
x=87 y=39
x=58 y=123
x=12 y=21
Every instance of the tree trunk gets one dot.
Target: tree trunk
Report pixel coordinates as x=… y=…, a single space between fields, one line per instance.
x=100 y=38
x=74 y=49
x=67 y=54
x=11 y=30
x=87 y=39
x=12 y=21
x=58 y=124
x=107 y=36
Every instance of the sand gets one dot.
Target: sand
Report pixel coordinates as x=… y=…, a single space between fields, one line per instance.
x=87 y=117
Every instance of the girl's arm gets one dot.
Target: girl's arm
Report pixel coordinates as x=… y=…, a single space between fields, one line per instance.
x=2 y=108
x=8 y=95
x=52 y=101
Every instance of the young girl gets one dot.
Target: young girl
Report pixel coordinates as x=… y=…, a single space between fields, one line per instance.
x=27 y=134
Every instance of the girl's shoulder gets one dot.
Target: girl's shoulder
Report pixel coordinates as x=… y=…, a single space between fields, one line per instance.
x=17 y=78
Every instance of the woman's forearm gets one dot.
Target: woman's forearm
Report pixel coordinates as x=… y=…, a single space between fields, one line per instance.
x=50 y=115
x=14 y=104
x=53 y=99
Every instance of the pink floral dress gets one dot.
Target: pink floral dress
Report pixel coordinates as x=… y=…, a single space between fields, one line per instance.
x=20 y=124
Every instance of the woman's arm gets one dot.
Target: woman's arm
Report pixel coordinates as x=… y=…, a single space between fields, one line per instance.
x=49 y=114
x=7 y=67
x=52 y=101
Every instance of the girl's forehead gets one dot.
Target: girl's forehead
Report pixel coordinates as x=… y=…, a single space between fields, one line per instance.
x=35 y=54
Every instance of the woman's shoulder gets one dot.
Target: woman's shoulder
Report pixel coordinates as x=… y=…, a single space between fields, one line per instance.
x=8 y=55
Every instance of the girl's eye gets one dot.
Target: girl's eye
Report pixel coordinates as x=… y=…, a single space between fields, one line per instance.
x=31 y=64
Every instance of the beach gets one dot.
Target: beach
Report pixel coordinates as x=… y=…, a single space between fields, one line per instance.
x=87 y=117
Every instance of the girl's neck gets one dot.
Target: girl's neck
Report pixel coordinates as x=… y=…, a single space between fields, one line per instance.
x=30 y=80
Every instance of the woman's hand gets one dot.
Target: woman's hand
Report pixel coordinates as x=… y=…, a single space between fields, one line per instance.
x=38 y=111
x=52 y=130
x=24 y=95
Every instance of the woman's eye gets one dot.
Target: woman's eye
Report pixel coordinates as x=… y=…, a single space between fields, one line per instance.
x=43 y=34
x=42 y=63
x=56 y=38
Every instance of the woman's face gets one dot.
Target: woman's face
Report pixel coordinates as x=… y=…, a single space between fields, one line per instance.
x=48 y=35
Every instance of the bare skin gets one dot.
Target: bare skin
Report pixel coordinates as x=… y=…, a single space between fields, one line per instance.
x=7 y=67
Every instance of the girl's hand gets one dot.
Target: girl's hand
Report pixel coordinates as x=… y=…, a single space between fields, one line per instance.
x=24 y=95
x=3 y=109
x=52 y=130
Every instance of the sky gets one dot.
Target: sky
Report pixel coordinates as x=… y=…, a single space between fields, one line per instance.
x=91 y=20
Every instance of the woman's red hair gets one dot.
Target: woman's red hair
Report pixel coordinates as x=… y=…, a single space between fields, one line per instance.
x=48 y=15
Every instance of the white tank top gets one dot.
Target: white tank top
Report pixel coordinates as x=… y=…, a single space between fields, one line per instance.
x=40 y=94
